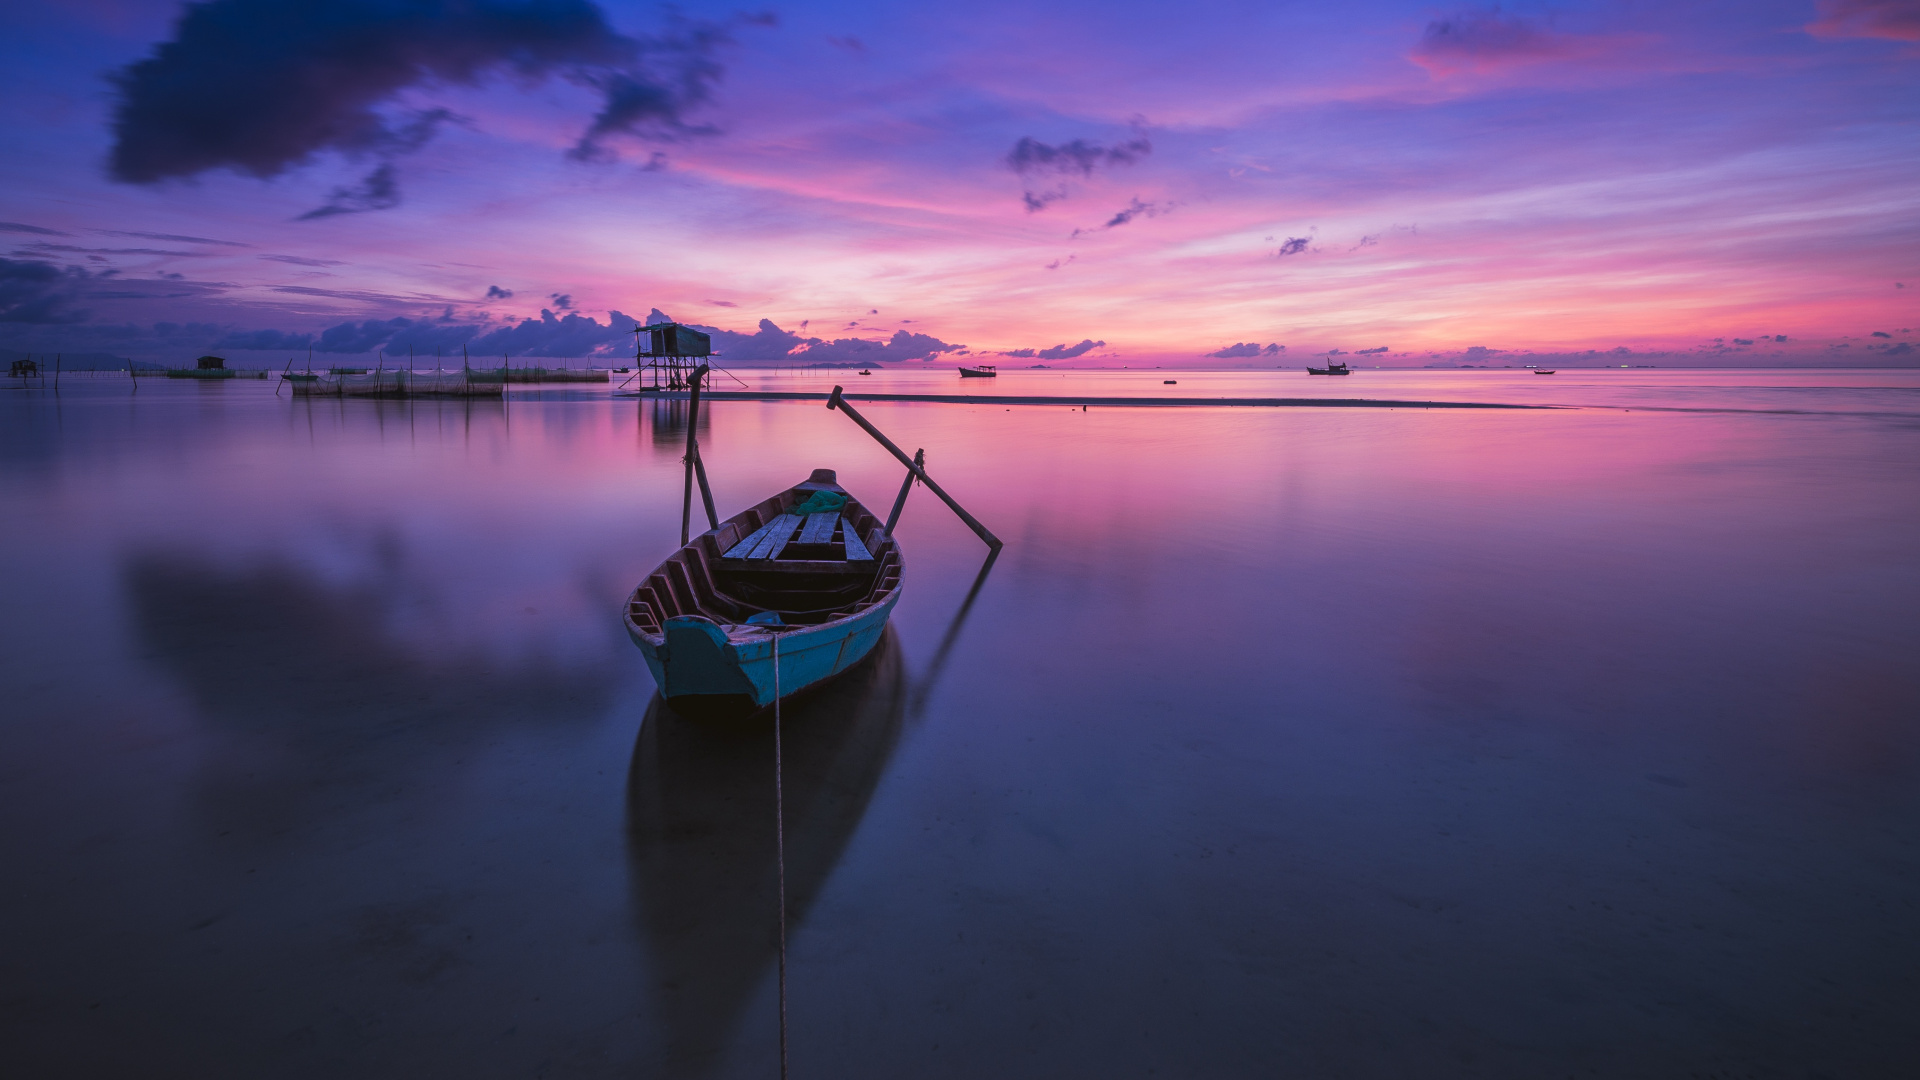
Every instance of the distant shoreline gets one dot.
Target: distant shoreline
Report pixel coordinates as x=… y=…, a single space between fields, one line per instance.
x=1103 y=402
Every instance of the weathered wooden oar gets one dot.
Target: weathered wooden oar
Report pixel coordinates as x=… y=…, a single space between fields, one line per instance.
x=835 y=401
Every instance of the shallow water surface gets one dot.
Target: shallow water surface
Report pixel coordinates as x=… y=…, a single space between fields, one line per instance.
x=1314 y=742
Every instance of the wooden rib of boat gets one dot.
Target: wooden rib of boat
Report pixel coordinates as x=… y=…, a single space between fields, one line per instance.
x=824 y=583
x=984 y=371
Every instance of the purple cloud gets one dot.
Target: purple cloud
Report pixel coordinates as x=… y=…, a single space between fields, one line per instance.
x=1067 y=352
x=1031 y=158
x=40 y=292
x=1898 y=20
x=261 y=86
x=1491 y=39
x=1240 y=349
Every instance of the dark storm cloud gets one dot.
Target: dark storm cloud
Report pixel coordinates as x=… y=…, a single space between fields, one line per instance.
x=261 y=86
x=495 y=292
x=40 y=292
x=677 y=71
x=263 y=341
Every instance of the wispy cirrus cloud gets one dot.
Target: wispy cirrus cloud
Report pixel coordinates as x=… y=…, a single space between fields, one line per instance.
x=173 y=238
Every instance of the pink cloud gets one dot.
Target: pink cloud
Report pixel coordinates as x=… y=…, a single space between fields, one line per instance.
x=1898 y=20
x=1493 y=40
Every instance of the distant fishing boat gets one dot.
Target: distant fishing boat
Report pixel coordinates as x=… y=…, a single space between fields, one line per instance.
x=864 y=371
x=1330 y=369
x=983 y=371
x=1540 y=371
x=809 y=566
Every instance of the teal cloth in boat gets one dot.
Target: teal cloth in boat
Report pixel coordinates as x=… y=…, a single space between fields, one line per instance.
x=765 y=618
x=820 y=502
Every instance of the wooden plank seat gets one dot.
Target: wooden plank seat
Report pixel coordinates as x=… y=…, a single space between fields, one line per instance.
x=856 y=551
x=816 y=531
x=765 y=540
x=819 y=528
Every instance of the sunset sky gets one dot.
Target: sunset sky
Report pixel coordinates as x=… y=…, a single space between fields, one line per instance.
x=1093 y=184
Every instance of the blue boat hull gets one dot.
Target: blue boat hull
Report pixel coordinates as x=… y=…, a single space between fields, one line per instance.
x=707 y=620
x=699 y=670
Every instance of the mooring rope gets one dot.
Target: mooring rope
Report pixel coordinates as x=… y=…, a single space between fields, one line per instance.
x=780 y=852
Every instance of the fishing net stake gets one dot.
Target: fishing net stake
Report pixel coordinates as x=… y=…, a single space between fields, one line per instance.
x=695 y=467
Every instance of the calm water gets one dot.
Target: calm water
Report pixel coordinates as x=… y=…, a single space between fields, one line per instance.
x=1291 y=742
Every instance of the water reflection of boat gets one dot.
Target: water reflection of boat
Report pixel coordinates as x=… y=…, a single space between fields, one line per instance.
x=809 y=566
x=1330 y=369
x=982 y=371
x=700 y=808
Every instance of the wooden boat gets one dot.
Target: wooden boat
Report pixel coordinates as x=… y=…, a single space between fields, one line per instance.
x=984 y=371
x=1330 y=369
x=864 y=371
x=823 y=583
x=1538 y=371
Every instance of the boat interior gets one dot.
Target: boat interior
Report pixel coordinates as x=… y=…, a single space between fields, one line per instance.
x=807 y=568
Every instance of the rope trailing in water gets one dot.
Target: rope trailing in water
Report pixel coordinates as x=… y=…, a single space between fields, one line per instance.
x=780 y=852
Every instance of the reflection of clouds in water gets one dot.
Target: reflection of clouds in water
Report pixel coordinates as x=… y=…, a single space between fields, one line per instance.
x=324 y=704
x=701 y=836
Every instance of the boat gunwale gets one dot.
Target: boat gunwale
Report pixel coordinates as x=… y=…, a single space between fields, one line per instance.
x=694 y=561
